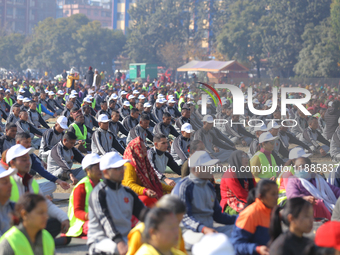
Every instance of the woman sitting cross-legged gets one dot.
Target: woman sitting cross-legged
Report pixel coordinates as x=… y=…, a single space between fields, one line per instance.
x=140 y=176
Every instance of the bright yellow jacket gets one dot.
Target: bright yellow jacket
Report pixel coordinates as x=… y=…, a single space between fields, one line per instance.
x=147 y=249
x=70 y=80
x=135 y=240
x=132 y=181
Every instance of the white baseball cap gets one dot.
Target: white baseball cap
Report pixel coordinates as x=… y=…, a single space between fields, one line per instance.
x=4 y=172
x=164 y=100
x=73 y=96
x=126 y=103
x=26 y=100
x=271 y=125
x=60 y=92
x=160 y=96
x=171 y=96
x=20 y=97
x=131 y=97
x=256 y=101
x=103 y=118
x=141 y=96
x=261 y=128
x=73 y=92
x=214 y=244
x=87 y=100
x=62 y=121
x=171 y=101
x=266 y=137
x=90 y=159
x=186 y=127
x=159 y=101
x=201 y=158
x=135 y=92
x=111 y=160
x=199 y=102
x=21 y=91
x=7 y=91
x=114 y=97
x=208 y=118
x=298 y=152
x=123 y=92
x=51 y=93
x=269 y=103
x=46 y=91
x=17 y=151
x=91 y=91
x=146 y=105
x=14 y=82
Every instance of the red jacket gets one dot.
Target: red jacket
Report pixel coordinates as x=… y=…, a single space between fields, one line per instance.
x=232 y=193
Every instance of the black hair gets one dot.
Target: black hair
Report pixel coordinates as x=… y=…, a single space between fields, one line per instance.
x=114 y=111
x=22 y=135
x=70 y=136
x=10 y=125
x=293 y=206
x=158 y=137
x=144 y=117
x=112 y=101
x=134 y=110
x=103 y=102
x=263 y=186
x=166 y=115
x=16 y=105
x=311 y=119
x=153 y=219
x=251 y=197
x=28 y=202
x=74 y=109
x=194 y=145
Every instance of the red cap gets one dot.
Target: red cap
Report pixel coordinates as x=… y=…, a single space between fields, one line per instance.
x=328 y=235
x=330 y=97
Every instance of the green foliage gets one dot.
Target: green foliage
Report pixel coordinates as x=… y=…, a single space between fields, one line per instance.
x=156 y=22
x=10 y=46
x=320 y=55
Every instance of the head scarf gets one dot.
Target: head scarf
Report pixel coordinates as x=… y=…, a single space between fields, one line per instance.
x=235 y=161
x=136 y=153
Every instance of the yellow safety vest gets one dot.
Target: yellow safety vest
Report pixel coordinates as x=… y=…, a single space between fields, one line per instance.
x=39 y=108
x=9 y=101
x=264 y=162
x=15 y=195
x=76 y=225
x=282 y=193
x=20 y=245
x=79 y=134
x=181 y=100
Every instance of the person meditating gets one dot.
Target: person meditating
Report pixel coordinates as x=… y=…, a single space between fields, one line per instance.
x=140 y=176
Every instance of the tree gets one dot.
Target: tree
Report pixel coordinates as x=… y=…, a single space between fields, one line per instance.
x=241 y=38
x=157 y=22
x=52 y=47
x=173 y=55
x=335 y=18
x=10 y=46
x=289 y=19
x=320 y=55
x=98 y=46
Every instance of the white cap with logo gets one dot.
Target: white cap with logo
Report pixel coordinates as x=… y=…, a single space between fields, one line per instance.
x=201 y=158
x=51 y=93
x=131 y=97
x=62 y=121
x=20 y=98
x=272 y=125
x=146 y=105
x=186 y=127
x=17 y=151
x=111 y=160
x=298 y=152
x=102 y=118
x=114 y=97
x=208 y=118
x=261 y=128
x=141 y=96
x=90 y=159
x=60 y=92
x=126 y=103
x=267 y=137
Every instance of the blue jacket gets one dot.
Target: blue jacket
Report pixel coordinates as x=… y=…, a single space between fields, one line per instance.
x=43 y=109
x=202 y=206
x=251 y=229
x=38 y=167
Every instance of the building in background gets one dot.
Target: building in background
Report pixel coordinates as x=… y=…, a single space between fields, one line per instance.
x=95 y=10
x=21 y=16
x=120 y=16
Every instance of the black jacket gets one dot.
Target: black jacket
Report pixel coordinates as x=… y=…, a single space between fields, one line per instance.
x=331 y=118
x=89 y=77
